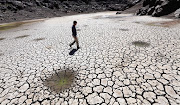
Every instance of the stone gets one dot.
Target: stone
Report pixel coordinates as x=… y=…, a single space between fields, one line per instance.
x=118 y=12
x=177 y=13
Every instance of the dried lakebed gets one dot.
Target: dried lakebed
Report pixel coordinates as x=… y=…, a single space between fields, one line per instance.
x=129 y=62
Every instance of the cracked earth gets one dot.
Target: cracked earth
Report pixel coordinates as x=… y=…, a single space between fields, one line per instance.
x=110 y=68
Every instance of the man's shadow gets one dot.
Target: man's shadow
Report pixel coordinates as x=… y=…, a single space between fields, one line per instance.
x=72 y=52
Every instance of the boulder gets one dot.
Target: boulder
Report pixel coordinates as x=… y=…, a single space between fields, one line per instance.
x=18 y=4
x=116 y=7
x=177 y=13
x=158 y=7
x=3 y=8
x=38 y=3
x=118 y=12
x=142 y=11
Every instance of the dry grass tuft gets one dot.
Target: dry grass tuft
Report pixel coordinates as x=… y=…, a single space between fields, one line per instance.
x=60 y=81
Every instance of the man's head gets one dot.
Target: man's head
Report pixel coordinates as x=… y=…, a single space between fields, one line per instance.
x=75 y=22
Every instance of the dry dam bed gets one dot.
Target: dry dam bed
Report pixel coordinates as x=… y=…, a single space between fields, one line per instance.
x=123 y=60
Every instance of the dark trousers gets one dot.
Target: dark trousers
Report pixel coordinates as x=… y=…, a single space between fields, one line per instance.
x=75 y=41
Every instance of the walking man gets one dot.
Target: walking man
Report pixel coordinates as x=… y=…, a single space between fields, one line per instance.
x=74 y=34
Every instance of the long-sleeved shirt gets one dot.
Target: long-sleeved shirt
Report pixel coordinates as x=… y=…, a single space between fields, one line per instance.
x=74 y=33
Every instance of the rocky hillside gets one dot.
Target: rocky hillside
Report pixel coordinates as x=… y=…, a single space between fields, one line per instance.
x=160 y=8
x=16 y=10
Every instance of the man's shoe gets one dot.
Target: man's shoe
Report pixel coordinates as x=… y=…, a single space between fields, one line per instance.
x=78 y=48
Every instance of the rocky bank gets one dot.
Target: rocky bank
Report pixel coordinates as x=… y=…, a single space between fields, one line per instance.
x=17 y=10
x=160 y=8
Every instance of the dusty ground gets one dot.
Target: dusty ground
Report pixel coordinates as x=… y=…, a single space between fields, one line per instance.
x=123 y=59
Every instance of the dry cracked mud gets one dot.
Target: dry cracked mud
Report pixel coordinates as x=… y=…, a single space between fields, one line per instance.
x=141 y=44
x=23 y=36
x=109 y=69
x=39 y=39
x=2 y=39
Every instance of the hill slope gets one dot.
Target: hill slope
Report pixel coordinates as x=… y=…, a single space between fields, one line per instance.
x=17 y=10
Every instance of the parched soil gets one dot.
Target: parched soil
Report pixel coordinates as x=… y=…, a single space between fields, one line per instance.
x=60 y=81
x=165 y=24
